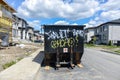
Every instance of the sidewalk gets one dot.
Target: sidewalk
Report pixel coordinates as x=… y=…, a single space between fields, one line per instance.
x=26 y=69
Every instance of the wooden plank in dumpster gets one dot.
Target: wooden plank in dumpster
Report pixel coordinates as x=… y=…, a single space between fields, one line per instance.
x=63 y=37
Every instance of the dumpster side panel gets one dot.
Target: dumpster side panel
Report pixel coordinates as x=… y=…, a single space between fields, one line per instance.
x=62 y=38
x=63 y=44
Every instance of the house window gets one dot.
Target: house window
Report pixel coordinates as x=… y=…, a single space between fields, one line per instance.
x=104 y=28
x=15 y=32
x=6 y=12
x=101 y=29
x=97 y=30
x=104 y=37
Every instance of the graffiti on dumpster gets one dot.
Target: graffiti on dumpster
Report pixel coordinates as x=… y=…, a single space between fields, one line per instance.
x=62 y=38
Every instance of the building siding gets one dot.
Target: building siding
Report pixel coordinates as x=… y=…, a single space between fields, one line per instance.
x=102 y=34
x=114 y=32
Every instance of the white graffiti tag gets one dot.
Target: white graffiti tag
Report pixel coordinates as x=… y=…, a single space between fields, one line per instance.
x=63 y=33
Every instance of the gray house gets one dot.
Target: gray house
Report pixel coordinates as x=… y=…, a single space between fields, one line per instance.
x=109 y=31
x=89 y=33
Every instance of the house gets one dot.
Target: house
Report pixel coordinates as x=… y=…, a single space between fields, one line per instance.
x=36 y=35
x=19 y=29
x=29 y=33
x=108 y=32
x=15 y=30
x=22 y=28
x=22 y=32
x=89 y=33
x=42 y=37
x=6 y=23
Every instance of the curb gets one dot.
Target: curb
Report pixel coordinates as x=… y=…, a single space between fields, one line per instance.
x=26 y=69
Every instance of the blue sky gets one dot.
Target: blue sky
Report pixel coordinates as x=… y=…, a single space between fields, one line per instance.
x=77 y=12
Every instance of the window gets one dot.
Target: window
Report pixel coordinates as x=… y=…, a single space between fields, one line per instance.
x=100 y=28
x=104 y=37
x=97 y=31
x=6 y=12
x=105 y=28
x=15 y=33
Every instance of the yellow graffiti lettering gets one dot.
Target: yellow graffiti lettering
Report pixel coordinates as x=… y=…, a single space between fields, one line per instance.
x=76 y=39
x=63 y=42
x=71 y=42
x=53 y=44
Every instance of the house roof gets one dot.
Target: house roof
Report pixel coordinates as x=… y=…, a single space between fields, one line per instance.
x=90 y=28
x=115 y=21
x=7 y=6
x=29 y=27
x=36 y=31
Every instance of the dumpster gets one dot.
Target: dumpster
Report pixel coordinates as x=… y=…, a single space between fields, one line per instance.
x=63 y=44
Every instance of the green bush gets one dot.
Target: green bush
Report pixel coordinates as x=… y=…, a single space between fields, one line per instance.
x=110 y=43
x=8 y=64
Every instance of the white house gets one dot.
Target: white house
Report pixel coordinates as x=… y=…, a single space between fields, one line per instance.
x=89 y=33
x=18 y=28
x=36 y=35
x=29 y=33
x=15 y=34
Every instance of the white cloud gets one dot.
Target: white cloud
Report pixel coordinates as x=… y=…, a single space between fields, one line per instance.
x=71 y=9
x=111 y=5
x=94 y=23
x=35 y=24
x=110 y=11
x=74 y=24
x=97 y=18
x=13 y=3
x=110 y=15
x=61 y=23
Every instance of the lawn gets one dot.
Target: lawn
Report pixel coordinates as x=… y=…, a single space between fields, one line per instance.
x=115 y=49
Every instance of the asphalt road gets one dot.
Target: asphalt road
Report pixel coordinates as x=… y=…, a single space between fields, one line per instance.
x=97 y=66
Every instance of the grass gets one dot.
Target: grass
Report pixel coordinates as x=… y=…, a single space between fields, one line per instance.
x=89 y=45
x=11 y=63
x=19 y=59
x=101 y=46
x=118 y=51
x=112 y=48
x=8 y=64
x=109 y=47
